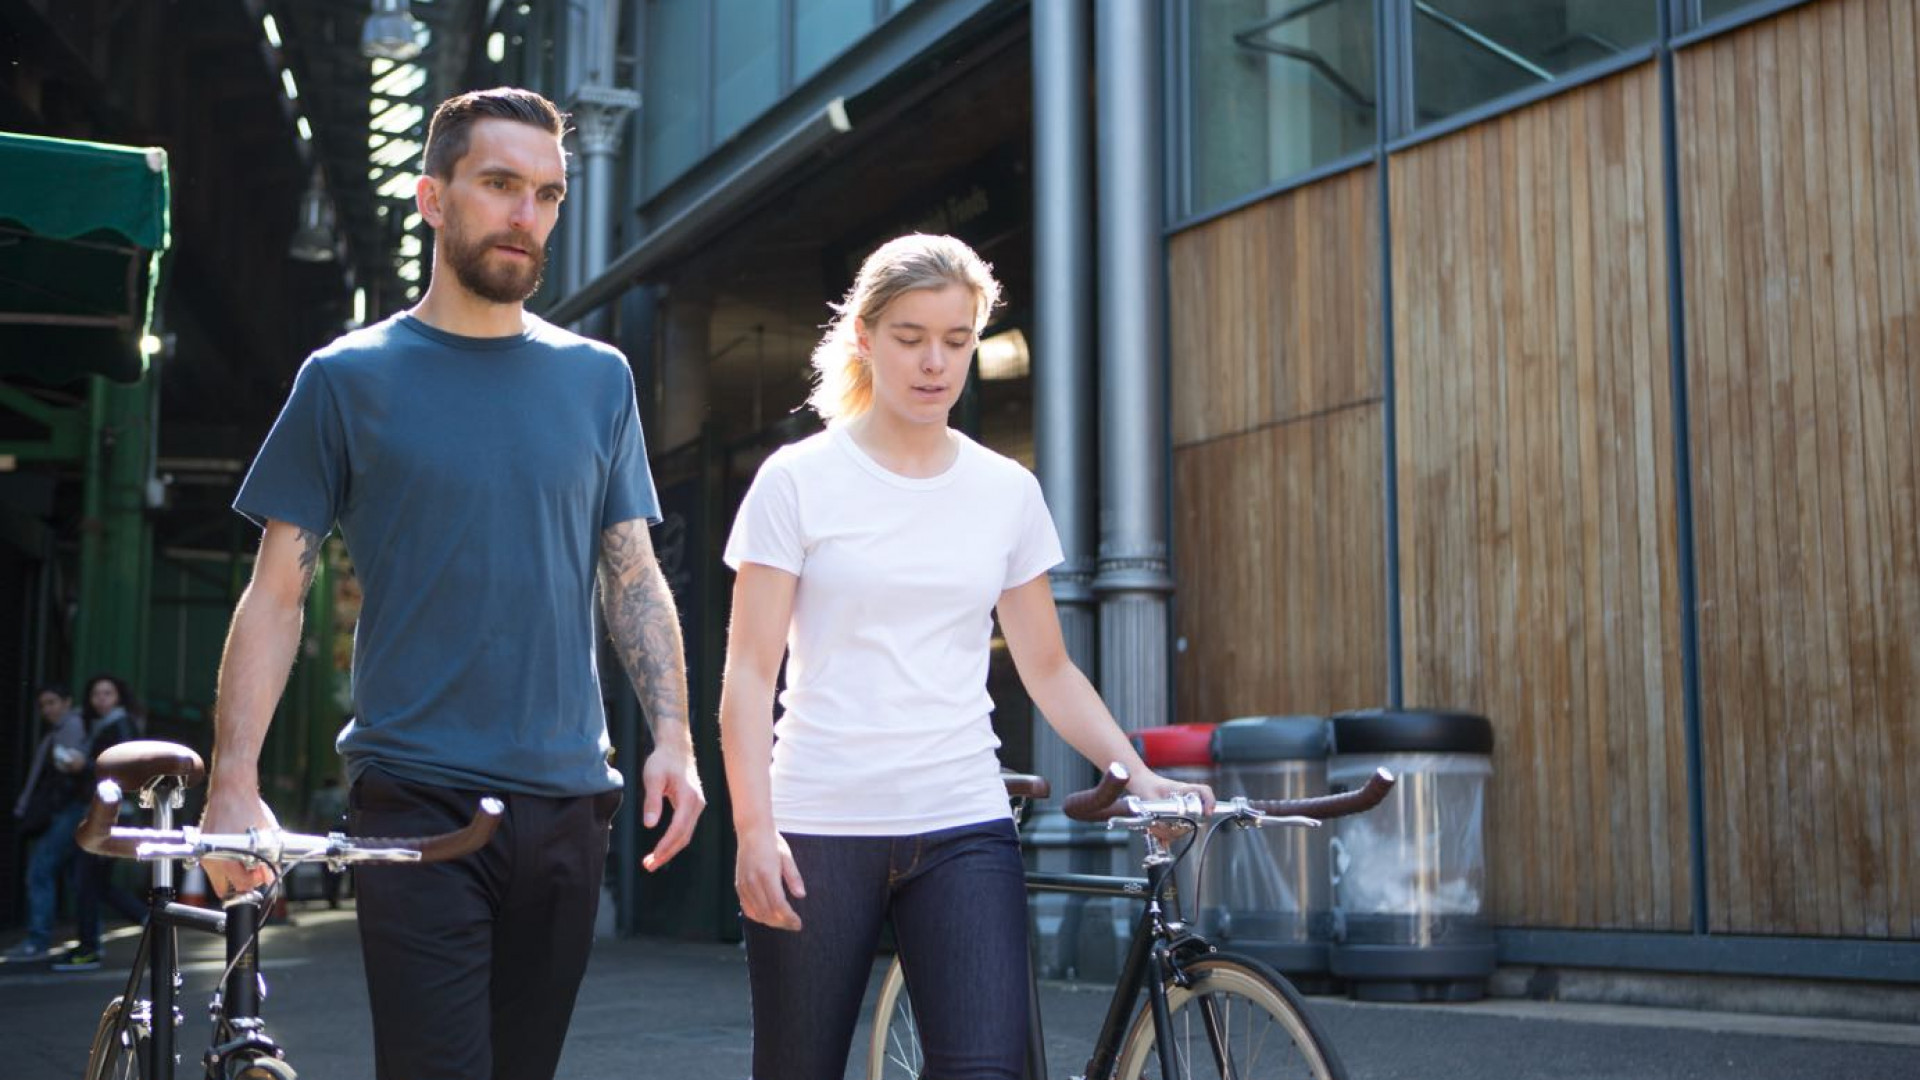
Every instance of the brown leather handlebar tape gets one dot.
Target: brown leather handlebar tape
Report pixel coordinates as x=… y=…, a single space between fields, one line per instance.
x=95 y=833
x=1323 y=807
x=1023 y=786
x=446 y=846
x=1097 y=802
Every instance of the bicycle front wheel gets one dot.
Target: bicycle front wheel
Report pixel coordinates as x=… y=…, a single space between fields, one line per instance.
x=119 y=1045
x=894 y=1053
x=1237 y=1019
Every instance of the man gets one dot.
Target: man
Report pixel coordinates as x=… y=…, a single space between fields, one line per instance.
x=49 y=807
x=478 y=462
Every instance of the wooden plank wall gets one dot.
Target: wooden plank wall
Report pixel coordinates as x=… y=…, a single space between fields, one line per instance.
x=1800 y=184
x=1277 y=464
x=1538 y=541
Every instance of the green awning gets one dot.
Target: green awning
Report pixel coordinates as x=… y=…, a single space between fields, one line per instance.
x=82 y=229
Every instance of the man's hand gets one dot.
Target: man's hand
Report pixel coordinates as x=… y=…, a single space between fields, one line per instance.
x=669 y=776
x=234 y=808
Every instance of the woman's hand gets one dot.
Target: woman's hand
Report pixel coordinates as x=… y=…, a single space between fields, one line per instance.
x=763 y=873
x=1148 y=784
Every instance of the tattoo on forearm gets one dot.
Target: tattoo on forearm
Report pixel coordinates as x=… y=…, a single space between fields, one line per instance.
x=310 y=544
x=642 y=622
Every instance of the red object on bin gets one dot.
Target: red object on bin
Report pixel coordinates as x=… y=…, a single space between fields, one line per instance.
x=1175 y=745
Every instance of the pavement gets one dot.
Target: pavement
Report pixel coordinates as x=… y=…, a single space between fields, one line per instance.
x=654 y=1008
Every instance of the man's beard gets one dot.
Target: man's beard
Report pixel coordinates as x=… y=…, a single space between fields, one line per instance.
x=510 y=283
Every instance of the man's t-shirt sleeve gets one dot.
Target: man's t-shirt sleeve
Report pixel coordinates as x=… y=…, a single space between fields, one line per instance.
x=630 y=492
x=300 y=474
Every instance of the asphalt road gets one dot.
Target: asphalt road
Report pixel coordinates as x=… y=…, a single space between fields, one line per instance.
x=669 y=1009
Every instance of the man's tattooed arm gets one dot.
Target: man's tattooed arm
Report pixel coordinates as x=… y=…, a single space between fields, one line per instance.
x=261 y=645
x=645 y=627
x=310 y=546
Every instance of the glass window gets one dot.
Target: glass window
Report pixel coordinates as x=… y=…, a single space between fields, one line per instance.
x=746 y=62
x=1713 y=9
x=822 y=30
x=671 y=106
x=1274 y=88
x=1469 y=51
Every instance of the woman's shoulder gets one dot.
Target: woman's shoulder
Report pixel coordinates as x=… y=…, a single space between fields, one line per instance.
x=1000 y=468
x=802 y=455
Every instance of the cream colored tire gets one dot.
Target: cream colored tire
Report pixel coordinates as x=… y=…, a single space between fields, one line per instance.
x=1262 y=1023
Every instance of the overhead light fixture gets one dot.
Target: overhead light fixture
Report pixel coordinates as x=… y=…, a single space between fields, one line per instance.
x=313 y=240
x=1004 y=356
x=392 y=33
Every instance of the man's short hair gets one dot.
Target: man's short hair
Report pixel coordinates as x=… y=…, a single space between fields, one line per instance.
x=57 y=689
x=452 y=124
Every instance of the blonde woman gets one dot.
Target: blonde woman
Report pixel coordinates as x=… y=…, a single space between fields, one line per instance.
x=874 y=556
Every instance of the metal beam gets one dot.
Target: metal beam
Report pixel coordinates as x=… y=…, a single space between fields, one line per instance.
x=1715 y=954
x=688 y=226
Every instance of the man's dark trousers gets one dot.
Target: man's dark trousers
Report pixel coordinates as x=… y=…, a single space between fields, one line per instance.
x=473 y=965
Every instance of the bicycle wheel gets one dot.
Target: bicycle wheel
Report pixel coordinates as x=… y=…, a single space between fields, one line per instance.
x=894 y=1053
x=1237 y=1019
x=119 y=1049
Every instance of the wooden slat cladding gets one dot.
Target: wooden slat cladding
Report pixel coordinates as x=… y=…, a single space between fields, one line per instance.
x=1275 y=310
x=1800 y=185
x=1280 y=561
x=1538 y=543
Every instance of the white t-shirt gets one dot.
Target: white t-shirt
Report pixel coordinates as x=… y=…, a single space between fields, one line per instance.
x=886 y=730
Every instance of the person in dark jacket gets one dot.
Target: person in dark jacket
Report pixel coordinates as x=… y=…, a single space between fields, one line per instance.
x=47 y=811
x=111 y=720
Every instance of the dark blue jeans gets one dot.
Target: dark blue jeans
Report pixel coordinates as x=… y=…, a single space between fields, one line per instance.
x=50 y=856
x=958 y=904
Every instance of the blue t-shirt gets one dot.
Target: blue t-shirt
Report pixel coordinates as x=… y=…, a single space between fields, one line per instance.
x=471 y=479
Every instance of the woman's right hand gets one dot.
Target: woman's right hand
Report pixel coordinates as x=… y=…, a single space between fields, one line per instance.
x=764 y=872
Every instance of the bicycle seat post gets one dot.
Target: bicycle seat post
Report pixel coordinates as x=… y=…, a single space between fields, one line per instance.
x=161 y=797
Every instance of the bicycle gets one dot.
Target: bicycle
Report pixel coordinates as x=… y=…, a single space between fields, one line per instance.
x=1204 y=1008
x=136 y=1037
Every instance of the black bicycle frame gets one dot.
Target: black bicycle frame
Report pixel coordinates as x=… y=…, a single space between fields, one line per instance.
x=1147 y=965
x=158 y=954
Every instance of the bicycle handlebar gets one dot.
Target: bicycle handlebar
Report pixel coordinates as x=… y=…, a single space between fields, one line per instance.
x=1104 y=800
x=99 y=835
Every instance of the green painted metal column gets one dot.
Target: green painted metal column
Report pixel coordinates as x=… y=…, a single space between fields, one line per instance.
x=116 y=539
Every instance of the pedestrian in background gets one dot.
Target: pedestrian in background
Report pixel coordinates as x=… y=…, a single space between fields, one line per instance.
x=109 y=711
x=50 y=806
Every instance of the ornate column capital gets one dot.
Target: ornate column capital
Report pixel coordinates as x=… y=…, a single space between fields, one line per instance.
x=599 y=113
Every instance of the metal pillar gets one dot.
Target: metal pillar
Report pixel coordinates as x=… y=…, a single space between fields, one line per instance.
x=600 y=110
x=115 y=537
x=1063 y=390
x=1133 y=580
x=599 y=115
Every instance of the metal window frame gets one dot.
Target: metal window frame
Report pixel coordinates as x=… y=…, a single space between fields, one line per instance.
x=1690 y=26
x=1680 y=25
x=1847 y=959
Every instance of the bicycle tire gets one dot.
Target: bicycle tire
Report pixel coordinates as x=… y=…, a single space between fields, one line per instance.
x=893 y=1053
x=113 y=1057
x=1268 y=1032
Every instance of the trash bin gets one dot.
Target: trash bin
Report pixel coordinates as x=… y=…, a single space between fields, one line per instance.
x=1410 y=875
x=1182 y=752
x=1266 y=891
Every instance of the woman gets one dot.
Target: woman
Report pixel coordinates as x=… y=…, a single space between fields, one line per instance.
x=874 y=556
x=107 y=709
